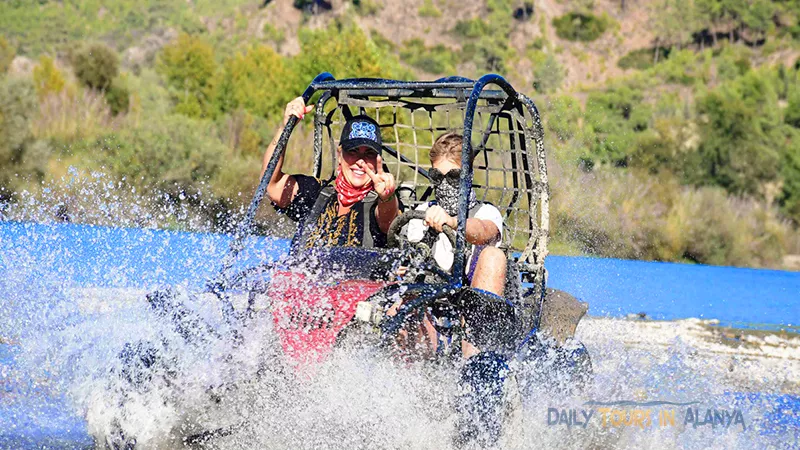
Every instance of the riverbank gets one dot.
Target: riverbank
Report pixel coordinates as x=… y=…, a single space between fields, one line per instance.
x=745 y=359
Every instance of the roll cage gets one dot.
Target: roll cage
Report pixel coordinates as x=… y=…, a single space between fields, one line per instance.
x=503 y=160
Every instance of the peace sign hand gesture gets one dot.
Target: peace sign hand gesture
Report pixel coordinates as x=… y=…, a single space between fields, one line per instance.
x=383 y=183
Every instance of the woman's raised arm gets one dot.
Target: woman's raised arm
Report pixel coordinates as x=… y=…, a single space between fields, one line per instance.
x=282 y=187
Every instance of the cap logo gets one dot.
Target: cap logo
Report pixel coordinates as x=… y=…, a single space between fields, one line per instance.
x=363 y=130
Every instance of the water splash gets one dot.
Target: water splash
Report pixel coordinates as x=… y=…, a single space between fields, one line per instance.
x=230 y=393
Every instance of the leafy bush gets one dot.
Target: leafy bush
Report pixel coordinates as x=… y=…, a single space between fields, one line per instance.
x=17 y=109
x=472 y=28
x=21 y=155
x=733 y=61
x=244 y=133
x=488 y=54
x=547 y=72
x=615 y=116
x=366 y=7
x=627 y=214
x=538 y=44
x=562 y=116
x=173 y=154
x=256 y=80
x=343 y=50
x=664 y=146
x=487 y=40
x=683 y=67
x=436 y=60
x=428 y=9
x=792 y=114
x=47 y=78
x=7 y=54
x=642 y=58
x=189 y=67
x=273 y=34
x=738 y=150
x=96 y=66
x=381 y=41
x=790 y=170
x=118 y=98
x=580 y=26
x=69 y=117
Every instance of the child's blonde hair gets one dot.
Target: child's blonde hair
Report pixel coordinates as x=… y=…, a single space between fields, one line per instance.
x=447 y=146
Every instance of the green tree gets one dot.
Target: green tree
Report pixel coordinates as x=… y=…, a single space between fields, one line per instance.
x=548 y=74
x=189 y=67
x=47 y=78
x=758 y=16
x=580 y=26
x=710 y=13
x=20 y=154
x=256 y=80
x=663 y=147
x=343 y=50
x=436 y=60
x=792 y=114
x=738 y=135
x=733 y=61
x=487 y=38
x=790 y=172
x=118 y=98
x=562 y=116
x=96 y=66
x=672 y=23
x=615 y=116
x=174 y=154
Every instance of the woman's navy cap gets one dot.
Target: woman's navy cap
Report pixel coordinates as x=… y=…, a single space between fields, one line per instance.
x=361 y=131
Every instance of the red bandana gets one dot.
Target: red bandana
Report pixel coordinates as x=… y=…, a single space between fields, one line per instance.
x=348 y=194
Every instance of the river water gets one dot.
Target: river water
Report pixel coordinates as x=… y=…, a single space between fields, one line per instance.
x=54 y=365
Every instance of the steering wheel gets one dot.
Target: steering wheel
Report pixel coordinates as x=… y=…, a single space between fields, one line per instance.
x=395 y=239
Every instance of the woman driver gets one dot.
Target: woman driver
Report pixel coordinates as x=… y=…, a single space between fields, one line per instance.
x=341 y=221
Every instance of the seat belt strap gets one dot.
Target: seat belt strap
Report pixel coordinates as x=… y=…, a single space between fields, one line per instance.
x=368 y=202
x=313 y=216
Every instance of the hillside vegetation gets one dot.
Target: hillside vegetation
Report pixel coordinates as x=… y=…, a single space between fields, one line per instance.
x=673 y=125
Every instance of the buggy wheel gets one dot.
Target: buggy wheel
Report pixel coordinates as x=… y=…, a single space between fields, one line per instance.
x=580 y=366
x=556 y=369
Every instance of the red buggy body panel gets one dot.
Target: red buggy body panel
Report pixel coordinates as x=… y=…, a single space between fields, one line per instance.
x=308 y=314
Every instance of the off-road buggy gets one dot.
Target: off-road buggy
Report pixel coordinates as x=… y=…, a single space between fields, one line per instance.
x=320 y=297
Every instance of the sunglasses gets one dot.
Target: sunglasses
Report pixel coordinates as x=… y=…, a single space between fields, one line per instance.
x=369 y=153
x=437 y=176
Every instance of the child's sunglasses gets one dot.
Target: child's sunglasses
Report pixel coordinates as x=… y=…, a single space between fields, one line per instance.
x=437 y=176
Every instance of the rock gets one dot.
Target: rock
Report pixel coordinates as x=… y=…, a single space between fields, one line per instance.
x=561 y=313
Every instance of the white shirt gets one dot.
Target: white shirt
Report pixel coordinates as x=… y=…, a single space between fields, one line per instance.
x=442 y=249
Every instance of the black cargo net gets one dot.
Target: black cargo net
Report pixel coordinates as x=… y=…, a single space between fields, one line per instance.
x=508 y=165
